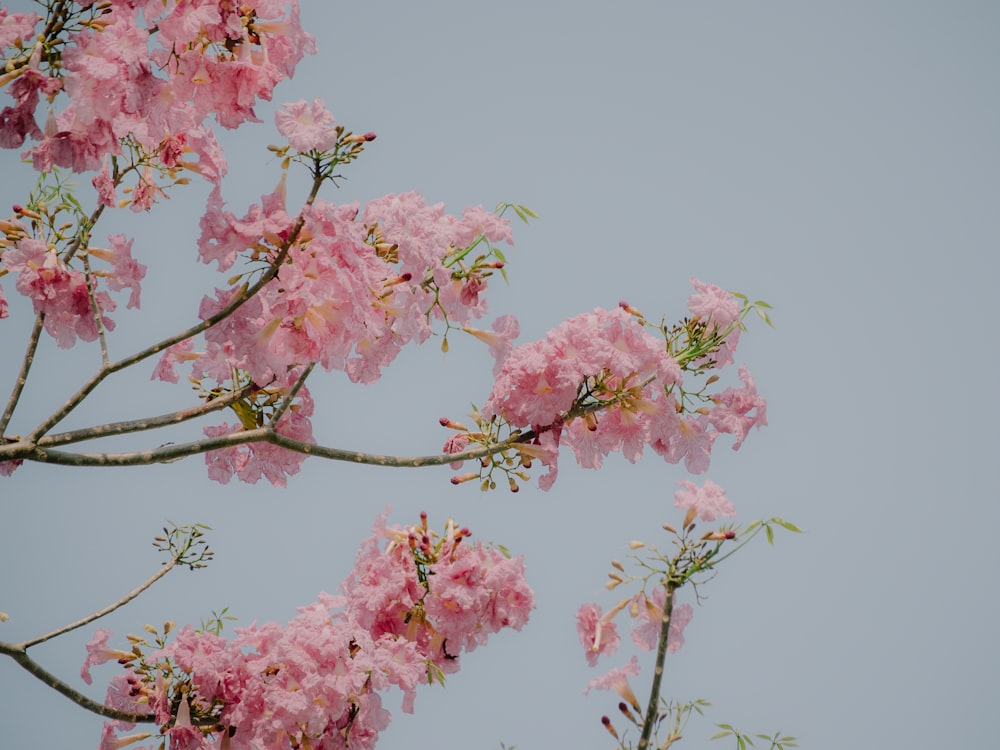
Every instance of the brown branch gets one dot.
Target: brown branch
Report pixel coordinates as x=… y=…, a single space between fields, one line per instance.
x=18 y=654
x=261 y=434
x=22 y=376
x=147 y=423
x=167 y=567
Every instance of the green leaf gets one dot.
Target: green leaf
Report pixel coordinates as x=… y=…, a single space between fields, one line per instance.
x=786 y=525
x=770 y=534
x=762 y=303
x=719 y=735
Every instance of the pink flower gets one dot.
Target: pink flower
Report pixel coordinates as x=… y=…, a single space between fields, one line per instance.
x=98 y=653
x=617 y=680
x=105 y=186
x=691 y=442
x=16 y=27
x=646 y=630
x=58 y=291
x=179 y=352
x=598 y=636
x=713 y=304
x=733 y=406
x=456 y=444
x=307 y=126
x=476 y=222
x=709 y=501
x=126 y=272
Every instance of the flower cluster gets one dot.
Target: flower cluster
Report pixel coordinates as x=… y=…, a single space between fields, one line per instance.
x=148 y=71
x=413 y=602
x=350 y=294
x=141 y=80
x=340 y=287
x=601 y=382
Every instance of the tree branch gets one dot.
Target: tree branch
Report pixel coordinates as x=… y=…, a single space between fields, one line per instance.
x=18 y=654
x=167 y=567
x=147 y=423
x=22 y=376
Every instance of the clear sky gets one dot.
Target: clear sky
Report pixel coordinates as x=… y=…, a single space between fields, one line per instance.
x=839 y=160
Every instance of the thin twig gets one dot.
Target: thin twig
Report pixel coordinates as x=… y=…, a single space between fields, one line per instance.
x=22 y=376
x=290 y=396
x=166 y=568
x=95 y=310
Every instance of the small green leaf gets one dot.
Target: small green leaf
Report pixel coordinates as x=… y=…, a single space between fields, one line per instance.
x=786 y=525
x=770 y=534
x=719 y=735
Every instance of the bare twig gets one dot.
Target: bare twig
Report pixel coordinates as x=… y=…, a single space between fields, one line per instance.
x=166 y=568
x=22 y=376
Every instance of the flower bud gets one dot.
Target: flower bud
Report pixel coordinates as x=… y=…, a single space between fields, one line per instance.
x=609 y=726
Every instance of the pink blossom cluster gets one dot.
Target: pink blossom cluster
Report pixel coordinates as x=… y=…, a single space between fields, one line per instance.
x=611 y=356
x=152 y=71
x=58 y=291
x=599 y=636
x=251 y=461
x=413 y=602
x=139 y=74
x=336 y=301
x=598 y=632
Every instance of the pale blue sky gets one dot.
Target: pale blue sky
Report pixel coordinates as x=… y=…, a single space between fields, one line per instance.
x=838 y=160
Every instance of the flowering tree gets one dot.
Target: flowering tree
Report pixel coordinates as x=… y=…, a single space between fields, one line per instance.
x=134 y=92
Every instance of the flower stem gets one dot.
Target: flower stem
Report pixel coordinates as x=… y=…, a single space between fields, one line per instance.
x=652 y=709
